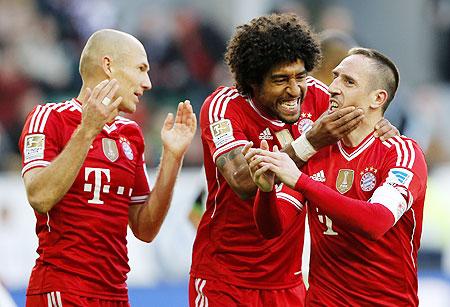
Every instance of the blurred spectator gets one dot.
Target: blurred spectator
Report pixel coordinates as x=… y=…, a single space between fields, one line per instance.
x=192 y=55
x=334 y=44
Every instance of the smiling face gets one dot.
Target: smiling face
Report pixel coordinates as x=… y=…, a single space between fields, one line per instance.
x=282 y=91
x=131 y=71
x=354 y=83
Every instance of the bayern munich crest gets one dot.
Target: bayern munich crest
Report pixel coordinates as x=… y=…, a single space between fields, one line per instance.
x=304 y=125
x=368 y=179
x=127 y=148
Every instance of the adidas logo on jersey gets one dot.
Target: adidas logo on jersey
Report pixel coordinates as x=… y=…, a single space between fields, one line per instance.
x=265 y=135
x=319 y=176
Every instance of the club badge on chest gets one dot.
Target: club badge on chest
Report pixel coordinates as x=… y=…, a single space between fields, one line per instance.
x=126 y=148
x=110 y=149
x=284 y=137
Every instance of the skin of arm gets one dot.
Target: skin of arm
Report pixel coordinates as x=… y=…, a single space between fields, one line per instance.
x=145 y=220
x=46 y=186
x=233 y=167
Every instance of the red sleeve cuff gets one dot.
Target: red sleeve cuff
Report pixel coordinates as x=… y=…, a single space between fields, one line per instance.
x=302 y=182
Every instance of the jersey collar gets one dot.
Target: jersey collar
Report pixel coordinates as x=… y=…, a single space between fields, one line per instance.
x=108 y=127
x=349 y=153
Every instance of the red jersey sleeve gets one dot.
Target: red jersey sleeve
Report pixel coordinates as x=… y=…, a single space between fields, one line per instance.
x=275 y=211
x=41 y=140
x=141 y=187
x=221 y=123
x=404 y=176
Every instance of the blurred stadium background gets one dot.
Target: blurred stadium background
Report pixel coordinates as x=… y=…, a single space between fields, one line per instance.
x=40 y=44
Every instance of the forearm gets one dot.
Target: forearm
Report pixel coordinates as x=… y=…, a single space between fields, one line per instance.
x=266 y=214
x=369 y=219
x=242 y=183
x=151 y=215
x=272 y=217
x=234 y=168
x=46 y=186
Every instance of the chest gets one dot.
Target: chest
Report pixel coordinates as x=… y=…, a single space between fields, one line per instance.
x=109 y=169
x=355 y=177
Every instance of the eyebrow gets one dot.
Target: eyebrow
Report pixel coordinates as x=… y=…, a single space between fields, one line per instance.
x=275 y=76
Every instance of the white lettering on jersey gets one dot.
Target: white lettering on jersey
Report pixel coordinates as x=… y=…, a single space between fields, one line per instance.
x=97 y=183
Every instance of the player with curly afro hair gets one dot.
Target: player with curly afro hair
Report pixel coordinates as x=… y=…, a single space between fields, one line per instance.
x=274 y=103
x=267 y=41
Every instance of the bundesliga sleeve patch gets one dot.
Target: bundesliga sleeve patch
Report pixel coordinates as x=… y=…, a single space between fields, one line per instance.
x=222 y=132
x=400 y=176
x=34 y=147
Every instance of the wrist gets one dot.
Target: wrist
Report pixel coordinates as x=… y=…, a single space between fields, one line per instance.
x=303 y=148
x=301 y=182
x=171 y=157
x=85 y=135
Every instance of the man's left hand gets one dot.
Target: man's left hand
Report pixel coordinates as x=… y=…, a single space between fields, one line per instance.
x=177 y=133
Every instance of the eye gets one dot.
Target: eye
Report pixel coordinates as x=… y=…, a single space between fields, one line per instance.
x=279 y=81
x=350 y=81
x=300 y=77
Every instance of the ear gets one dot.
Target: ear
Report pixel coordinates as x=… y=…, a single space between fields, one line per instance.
x=379 y=98
x=106 y=65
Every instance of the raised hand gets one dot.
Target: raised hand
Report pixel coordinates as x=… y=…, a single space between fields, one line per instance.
x=97 y=106
x=263 y=161
x=331 y=127
x=177 y=133
x=385 y=130
x=264 y=180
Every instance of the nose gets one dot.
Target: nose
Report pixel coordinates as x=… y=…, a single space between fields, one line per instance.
x=332 y=88
x=147 y=84
x=293 y=89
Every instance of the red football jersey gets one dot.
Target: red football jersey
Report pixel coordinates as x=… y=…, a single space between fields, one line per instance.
x=346 y=268
x=228 y=246
x=82 y=239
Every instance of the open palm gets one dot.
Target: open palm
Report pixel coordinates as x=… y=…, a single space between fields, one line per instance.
x=177 y=133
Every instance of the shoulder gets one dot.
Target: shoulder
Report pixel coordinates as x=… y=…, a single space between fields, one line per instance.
x=128 y=126
x=222 y=101
x=406 y=151
x=44 y=113
x=130 y=130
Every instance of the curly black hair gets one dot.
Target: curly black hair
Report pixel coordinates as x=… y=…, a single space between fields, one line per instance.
x=267 y=41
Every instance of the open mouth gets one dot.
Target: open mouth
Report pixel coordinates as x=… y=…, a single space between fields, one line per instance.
x=333 y=104
x=290 y=107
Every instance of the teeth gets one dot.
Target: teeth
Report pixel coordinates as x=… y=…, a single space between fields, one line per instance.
x=290 y=103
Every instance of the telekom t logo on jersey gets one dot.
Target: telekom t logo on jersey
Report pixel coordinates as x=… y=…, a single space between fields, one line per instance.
x=98 y=174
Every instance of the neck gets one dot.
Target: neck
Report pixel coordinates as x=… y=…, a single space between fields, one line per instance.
x=366 y=127
x=90 y=83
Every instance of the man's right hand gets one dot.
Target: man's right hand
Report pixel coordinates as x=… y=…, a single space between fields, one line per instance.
x=95 y=113
x=333 y=126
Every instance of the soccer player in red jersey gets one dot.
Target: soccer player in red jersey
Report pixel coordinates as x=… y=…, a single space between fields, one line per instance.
x=85 y=177
x=365 y=197
x=232 y=264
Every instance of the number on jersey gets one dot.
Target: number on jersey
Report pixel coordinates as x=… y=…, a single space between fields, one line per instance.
x=328 y=223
